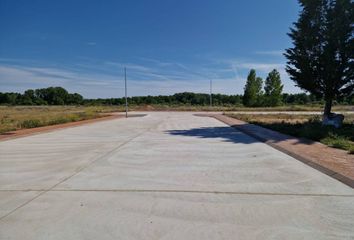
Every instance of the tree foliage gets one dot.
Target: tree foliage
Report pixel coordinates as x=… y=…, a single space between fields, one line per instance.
x=50 y=97
x=43 y=96
x=321 y=60
x=185 y=98
x=273 y=89
x=59 y=96
x=253 y=90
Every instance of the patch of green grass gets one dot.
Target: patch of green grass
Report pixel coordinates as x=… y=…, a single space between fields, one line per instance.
x=336 y=141
x=7 y=129
x=351 y=151
x=31 y=123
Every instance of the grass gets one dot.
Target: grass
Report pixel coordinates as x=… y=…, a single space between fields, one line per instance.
x=21 y=117
x=306 y=126
x=235 y=108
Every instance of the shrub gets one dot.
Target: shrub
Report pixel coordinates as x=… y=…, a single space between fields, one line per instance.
x=31 y=123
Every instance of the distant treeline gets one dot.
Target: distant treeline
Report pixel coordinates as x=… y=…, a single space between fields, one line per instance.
x=60 y=96
x=43 y=96
x=202 y=99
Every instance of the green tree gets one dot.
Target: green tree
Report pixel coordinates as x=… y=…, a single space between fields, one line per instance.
x=273 y=89
x=74 y=99
x=321 y=61
x=253 y=90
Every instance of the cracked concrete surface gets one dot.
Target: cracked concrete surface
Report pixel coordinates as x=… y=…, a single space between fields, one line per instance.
x=164 y=176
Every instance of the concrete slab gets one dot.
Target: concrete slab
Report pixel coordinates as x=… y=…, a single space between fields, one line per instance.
x=334 y=162
x=165 y=176
x=126 y=215
x=11 y=200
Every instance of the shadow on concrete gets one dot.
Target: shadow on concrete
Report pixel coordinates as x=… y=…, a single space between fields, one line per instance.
x=246 y=133
x=260 y=133
x=227 y=134
x=136 y=115
x=270 y=136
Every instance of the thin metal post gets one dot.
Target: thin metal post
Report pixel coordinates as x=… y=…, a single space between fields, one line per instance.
x=126 y=97
x=211 y=92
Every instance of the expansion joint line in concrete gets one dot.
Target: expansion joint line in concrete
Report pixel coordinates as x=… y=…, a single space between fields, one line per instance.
x=212 y=192
x=82 y=168
x=190 y=191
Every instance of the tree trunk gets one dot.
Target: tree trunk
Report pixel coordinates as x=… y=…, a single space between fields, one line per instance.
x=328 y=108
x=331 y=119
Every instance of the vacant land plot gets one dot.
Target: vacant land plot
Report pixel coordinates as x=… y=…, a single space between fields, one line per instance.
x=164 y=176
x=306 y=126
x=20 y=117
x=236 y=108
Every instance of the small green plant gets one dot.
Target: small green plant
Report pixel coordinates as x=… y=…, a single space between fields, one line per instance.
x=333 y=140
x=351 y=151
x=315 y=119
x=6 y=129
x=31 y=123
x=59 y=120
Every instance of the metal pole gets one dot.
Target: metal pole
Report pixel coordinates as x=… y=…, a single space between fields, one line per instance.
x=126 y=97
x=211 y=92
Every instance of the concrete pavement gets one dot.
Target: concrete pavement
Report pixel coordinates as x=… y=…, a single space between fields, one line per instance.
x=164 y=176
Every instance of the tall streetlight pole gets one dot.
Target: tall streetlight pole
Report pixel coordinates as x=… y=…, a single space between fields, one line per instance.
x=126 y=97
x=211 y=92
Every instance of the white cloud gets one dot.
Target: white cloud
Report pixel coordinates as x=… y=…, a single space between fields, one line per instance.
x=151 y=77
x=276 y=53
x=241 y=68
x=262 y=67
x=18 y=78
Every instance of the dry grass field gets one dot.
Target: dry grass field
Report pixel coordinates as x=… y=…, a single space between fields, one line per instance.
x=285 y=118
x=20 y=117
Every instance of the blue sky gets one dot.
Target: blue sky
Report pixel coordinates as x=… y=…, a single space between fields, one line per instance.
x=168 y=46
